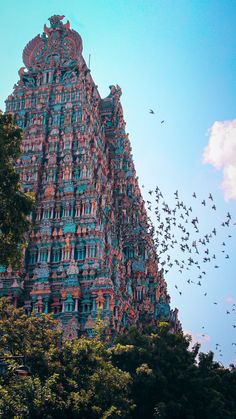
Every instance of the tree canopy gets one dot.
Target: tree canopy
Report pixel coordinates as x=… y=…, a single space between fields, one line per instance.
x=15 y=206
x=75 y=378
x=170 y=380
x=141 y=375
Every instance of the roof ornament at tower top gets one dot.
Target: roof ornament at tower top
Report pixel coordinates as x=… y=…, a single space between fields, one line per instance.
x=58 y=46
x=55 y=20
x=56 y=23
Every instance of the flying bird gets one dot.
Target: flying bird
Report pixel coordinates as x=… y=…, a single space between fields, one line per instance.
x=151 y=111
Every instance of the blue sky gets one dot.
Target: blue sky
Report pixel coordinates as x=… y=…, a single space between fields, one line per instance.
x=178 y=58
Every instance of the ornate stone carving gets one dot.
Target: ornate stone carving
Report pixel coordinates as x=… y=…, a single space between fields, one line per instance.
x=59 y=45
x=90 y=252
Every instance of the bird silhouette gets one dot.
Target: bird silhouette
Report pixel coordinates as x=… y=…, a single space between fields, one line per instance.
x=151 y=111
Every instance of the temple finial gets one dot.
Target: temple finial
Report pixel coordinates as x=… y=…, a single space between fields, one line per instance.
x=56 y=23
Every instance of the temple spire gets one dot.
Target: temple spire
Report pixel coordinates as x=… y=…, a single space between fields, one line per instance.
x=90 y=252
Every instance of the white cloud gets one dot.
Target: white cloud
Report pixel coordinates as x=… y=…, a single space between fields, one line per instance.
x=197 y=337
x=221 y=153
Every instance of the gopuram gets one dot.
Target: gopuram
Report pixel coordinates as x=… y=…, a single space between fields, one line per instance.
x=90 y=251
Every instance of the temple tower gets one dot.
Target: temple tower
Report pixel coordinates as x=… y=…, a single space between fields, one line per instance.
x=90 y=251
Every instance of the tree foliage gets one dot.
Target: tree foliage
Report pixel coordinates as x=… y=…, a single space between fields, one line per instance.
x=75 y=379
x=170 y=380
x=142 y=375
x=15 y=206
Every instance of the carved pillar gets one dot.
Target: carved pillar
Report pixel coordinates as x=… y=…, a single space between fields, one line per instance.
x=76 y=304
x=71 y=210
x=63 y=306
x=46 y=305
x=107 y=302
x=94 y=306
x=83 y=208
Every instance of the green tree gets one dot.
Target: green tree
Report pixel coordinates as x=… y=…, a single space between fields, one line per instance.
x=170 y=380
x=75 y=379
x=153 y=374
x=15 y=206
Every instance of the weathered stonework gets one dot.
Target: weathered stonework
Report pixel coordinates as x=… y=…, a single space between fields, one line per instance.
x=90 y=249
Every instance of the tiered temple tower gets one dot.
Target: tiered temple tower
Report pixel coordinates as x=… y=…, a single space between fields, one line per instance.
x=90 y=250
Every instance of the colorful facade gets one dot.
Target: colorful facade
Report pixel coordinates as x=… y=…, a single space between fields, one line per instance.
x=90 y=252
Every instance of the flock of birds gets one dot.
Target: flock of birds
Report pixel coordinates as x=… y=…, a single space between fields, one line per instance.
x=151 y=111
x=181 y=245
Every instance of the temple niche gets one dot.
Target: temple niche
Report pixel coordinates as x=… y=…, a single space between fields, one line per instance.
x=90 y=253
